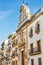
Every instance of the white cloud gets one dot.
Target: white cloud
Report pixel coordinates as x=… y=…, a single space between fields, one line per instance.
x=4 y=14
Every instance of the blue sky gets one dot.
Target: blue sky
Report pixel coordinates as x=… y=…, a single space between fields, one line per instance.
x=9 y=15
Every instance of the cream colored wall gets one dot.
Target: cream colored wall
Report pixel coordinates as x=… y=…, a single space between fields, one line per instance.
x=34 y=40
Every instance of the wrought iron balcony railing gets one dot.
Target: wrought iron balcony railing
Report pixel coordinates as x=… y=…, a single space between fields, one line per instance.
x=34 y=51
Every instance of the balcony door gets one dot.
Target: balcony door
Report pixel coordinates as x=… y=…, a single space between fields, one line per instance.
x=39 y=61
x=32 y=61
x=22 y=58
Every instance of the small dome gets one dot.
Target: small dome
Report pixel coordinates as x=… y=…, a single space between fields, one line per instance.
x=23 y=7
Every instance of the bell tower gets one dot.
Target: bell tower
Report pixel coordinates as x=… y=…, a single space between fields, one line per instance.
x=24 y=13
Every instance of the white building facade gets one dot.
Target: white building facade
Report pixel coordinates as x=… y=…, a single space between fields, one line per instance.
x=35 y=39
x=34 y=25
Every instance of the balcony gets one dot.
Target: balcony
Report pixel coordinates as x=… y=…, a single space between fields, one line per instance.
x=35 y=51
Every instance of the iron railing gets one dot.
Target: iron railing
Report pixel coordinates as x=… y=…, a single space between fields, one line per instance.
x=34 y=50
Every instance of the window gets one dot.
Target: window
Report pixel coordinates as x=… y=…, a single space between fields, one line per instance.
x=39 y=61
x=38 y=45
x=13 y=54
x=31 y=47
x=37 y=28
x=32 y=61
x=22 y=57
x=16 y=53
x=13 y=43
x=16 y=41
x=31 y=32
x=9 y=49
